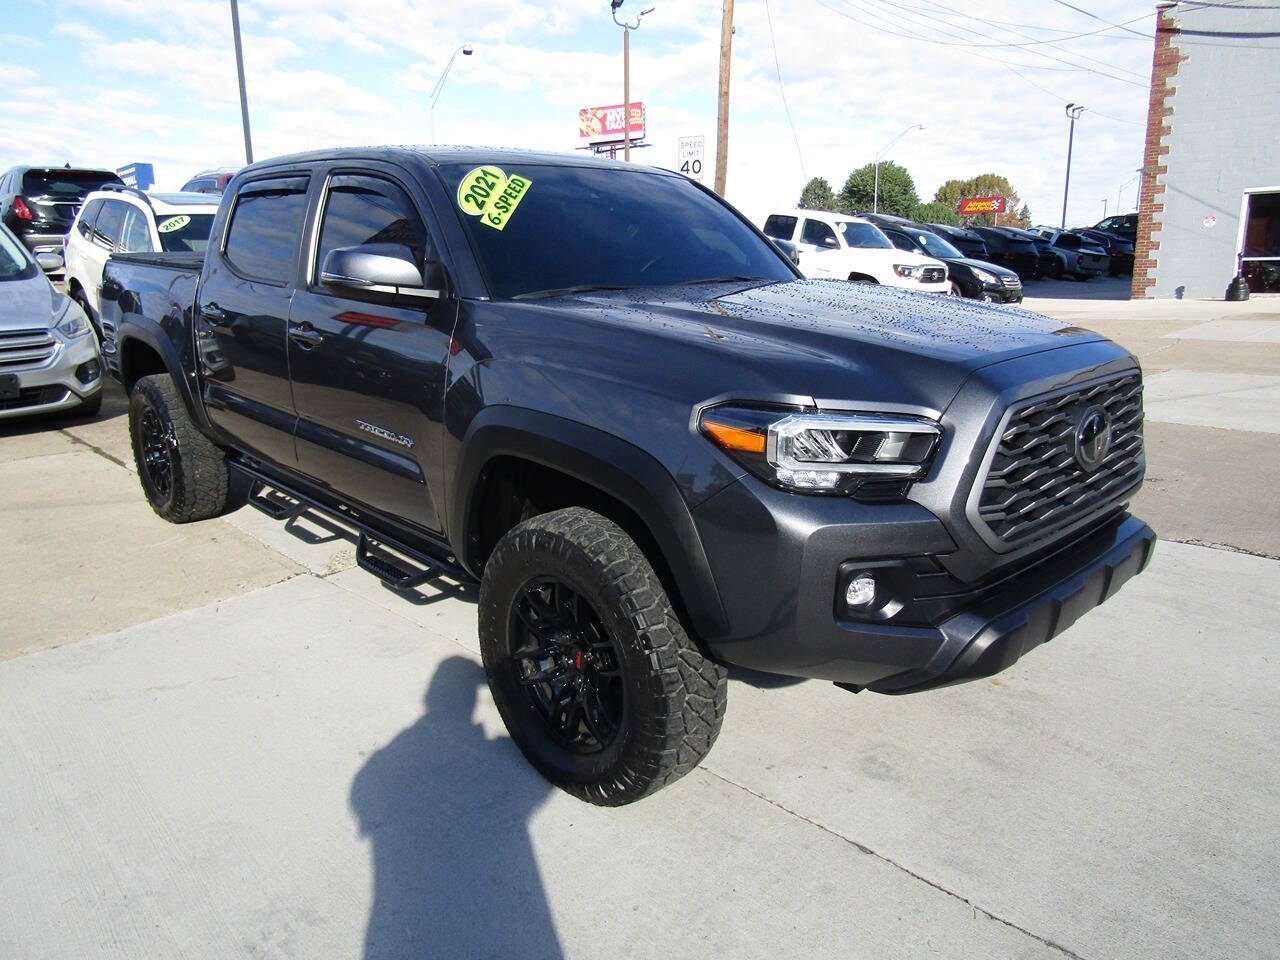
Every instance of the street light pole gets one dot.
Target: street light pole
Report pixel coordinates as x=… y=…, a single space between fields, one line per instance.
x=1073 y=111
x=244 y=99
x=875 y=195
x=626 y=71
x=1104 y=207
x=466 y=50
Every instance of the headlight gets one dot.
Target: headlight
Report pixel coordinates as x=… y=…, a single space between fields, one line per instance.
x=823 y=452
x=907 y=269
x=73 y=323
x=985 y=276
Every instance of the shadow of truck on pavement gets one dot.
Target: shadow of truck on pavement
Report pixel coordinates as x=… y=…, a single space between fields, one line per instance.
x=447 y=811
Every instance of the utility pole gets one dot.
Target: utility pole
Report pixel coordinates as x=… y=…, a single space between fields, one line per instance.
x=1104 y=207
x=244 y=99
x=722 y=114
x=1073 y=111
x=627 y=27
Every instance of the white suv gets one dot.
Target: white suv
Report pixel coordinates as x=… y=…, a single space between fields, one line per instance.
x=126 y=220
x=837 y=247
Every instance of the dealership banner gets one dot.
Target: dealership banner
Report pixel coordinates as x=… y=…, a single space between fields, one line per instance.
x=969 y=205
x=604 y=124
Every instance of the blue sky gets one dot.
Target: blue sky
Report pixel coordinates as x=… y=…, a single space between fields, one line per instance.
x=107 y=82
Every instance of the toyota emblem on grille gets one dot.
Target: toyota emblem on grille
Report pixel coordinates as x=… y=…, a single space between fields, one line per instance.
x=1092 y=439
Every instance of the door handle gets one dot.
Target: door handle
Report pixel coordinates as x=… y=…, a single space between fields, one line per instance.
x=306 y=335
x=213 y=312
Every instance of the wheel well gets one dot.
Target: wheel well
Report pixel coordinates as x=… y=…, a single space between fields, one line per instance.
x=511 y=489
x=862 y=278
x=138 y=360
x=73 y=286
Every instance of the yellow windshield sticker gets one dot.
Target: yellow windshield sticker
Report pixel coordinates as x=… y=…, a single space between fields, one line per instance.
x=173 y=223
x=492 y=195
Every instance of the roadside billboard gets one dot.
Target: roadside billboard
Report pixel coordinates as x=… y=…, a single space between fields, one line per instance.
x=605 y=124
x=972 y=205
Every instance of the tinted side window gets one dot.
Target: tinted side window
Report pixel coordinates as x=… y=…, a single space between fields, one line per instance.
x=364 y=210
x=1067 y=242
x=87 y=216
x=816 y=232
x=902 y=241
x=135 y=235
x=262 y=242
x=779 y=227
x=106 y=228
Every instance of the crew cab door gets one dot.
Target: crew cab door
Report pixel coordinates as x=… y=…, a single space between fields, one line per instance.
x=368 y=367
x=242 y=316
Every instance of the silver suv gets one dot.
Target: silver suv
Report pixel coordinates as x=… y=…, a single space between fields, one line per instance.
x=49 y=358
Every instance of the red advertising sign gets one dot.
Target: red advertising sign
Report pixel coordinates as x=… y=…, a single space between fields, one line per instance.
x=603 y=124
x=970 y=205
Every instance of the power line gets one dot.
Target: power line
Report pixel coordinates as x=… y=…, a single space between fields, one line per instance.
x=974 y=53
x=966 y=48
x=782 y=90
x=1038 y=53
x=1119 y=26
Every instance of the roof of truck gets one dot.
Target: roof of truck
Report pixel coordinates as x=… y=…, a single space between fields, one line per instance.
x=442 y=154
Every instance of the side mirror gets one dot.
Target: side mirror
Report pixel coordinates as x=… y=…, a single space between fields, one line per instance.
x=831 y=242
x=376 y=268
x=49 y=262
x=789 y=250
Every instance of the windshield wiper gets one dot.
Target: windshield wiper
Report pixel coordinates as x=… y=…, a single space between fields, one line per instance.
x=728 y=278
x=565 y=291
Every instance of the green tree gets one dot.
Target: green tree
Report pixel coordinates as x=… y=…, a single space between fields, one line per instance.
x=897 y=190
x=983 y=185
x=1025 y=215
x=934 y=212
x=817 y=195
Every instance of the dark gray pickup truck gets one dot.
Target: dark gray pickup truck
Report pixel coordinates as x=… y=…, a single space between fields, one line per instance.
x=602 y=393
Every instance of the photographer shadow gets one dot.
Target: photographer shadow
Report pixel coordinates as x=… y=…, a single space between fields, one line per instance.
x=447 y=812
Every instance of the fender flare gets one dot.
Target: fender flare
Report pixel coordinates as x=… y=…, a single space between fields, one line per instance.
x=610 y=464
x=168 y=353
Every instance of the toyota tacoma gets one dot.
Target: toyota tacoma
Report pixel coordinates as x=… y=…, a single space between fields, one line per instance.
x=602 y=393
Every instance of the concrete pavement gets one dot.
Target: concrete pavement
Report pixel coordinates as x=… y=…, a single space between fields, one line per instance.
x=237 y=745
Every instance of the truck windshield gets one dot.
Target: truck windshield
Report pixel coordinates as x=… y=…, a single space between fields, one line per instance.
x=863 y=235
x=577 y=227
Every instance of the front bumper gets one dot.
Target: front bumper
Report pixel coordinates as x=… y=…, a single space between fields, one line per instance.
x=780 y=562
x=999 y=293
x=54 y=386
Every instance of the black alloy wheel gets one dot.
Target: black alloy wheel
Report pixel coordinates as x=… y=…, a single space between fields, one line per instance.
x=156 y=442
x=567 y=665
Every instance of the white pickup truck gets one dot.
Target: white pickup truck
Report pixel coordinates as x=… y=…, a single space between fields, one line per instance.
x=833 y=246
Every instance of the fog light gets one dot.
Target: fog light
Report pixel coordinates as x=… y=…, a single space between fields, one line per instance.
x=88 y=371
x=862 y=591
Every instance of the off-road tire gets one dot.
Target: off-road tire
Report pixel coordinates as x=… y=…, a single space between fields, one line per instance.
x=673 y=697
x=198 y=472
x=955 y=290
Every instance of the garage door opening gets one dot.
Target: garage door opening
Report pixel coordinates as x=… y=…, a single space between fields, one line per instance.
x=1260 y=247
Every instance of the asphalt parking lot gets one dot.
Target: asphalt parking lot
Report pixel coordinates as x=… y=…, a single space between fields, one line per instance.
x=224 y=740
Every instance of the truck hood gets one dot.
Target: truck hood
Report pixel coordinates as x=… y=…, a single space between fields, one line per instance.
x=28 y=304
x=830 y=341
x=883 y=257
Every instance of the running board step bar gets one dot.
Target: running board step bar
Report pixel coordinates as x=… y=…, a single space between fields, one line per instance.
x=276 y=504
x=410 y=567
x=389 y=569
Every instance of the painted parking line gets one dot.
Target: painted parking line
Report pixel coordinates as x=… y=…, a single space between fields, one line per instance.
x=1231 y=330
x=1234 y=401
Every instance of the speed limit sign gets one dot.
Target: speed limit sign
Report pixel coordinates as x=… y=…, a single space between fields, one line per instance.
x=689 y=158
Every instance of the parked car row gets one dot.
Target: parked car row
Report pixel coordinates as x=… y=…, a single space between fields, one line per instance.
x=64 y=220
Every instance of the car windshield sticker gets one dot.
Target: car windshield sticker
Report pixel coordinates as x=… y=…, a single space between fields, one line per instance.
x=173 y=223
x=488 y=193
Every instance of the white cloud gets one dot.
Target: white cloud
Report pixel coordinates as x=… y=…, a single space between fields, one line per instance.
x=325 y=72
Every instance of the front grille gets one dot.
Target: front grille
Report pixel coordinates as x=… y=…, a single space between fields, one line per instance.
x=1035 y=485
x=34 y=397
x=1011 y=281
x=25 y=348
x=933 y=275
